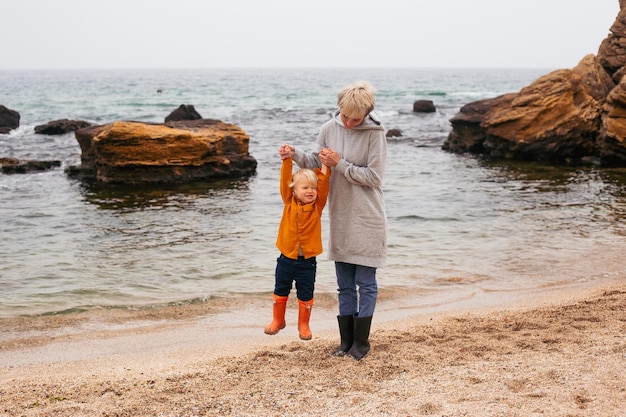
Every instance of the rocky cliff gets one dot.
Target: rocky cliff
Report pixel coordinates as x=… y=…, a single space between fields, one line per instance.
x=569 y=115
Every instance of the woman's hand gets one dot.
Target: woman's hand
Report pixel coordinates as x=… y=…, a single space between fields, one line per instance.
x=329 y=157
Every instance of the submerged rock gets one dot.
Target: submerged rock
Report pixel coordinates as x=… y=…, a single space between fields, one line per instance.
x=22 y=166
x=182 y=151
x=60 y=127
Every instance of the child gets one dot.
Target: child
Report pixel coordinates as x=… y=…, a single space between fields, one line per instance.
x=299 y=240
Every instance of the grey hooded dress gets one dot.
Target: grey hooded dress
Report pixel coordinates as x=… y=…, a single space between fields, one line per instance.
x=356 y=207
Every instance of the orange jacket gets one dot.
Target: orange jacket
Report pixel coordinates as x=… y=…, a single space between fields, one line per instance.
x=301 y=224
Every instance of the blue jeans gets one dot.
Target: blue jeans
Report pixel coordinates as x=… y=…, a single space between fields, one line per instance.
x=349 y=278
x=300 y=270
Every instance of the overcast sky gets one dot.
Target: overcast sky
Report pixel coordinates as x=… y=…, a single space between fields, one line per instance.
x=50 y=34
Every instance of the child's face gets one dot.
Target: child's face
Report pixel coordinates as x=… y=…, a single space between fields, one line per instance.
x=305 y=191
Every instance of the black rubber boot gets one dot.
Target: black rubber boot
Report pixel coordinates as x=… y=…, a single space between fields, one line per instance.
x=346 y=332
x=361 y=344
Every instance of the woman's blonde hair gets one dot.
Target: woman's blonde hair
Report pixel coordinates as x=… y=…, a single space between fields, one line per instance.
x=356 y=100
x=306 y=173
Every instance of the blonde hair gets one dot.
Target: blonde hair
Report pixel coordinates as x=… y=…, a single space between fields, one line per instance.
x=306 y=173
x=356 y=100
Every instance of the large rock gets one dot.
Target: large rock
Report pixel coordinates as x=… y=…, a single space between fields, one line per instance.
x=468 y=133
x=556 y=118
x=576 y=115
x=9 y=119
x=133 y=152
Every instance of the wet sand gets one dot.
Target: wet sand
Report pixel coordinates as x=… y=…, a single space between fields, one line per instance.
x=550 y=351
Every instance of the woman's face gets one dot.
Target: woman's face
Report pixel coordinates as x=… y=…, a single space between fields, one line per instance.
x=349 y=123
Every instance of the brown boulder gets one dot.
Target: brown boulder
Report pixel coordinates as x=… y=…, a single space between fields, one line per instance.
x=468 y=134
x=133 y=152
x=552 y=119
x=556 y=118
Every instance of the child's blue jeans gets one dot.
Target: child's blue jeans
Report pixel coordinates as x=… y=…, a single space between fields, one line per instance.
x=300 y=270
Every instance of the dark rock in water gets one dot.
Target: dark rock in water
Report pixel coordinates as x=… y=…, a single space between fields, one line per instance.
x=424 y=106
x=184 y=112
x=9 y=119
x=392 y=133
x=175 y=152
x=60 y=127
x=19 y=166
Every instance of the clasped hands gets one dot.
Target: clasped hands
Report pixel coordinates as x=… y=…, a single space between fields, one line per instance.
x=327 y=156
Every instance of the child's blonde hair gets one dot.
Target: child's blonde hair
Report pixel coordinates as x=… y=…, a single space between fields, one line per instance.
x=306 y=173
x=356 y=100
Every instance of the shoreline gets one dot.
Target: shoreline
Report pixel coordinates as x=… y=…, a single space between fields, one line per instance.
x=66 y=369
x=238 y=317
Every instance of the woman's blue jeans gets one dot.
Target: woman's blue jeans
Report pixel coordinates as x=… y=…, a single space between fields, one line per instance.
x=357 y=288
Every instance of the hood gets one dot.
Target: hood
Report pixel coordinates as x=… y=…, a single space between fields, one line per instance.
x=371 y=121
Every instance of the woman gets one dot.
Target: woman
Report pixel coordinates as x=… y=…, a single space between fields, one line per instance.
x=353 y=144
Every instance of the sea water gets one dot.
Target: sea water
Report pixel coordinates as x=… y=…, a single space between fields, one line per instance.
x=457 y=223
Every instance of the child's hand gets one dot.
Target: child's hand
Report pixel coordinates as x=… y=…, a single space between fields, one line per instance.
x=286 y=151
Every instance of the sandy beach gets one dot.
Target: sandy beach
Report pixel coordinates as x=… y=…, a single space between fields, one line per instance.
x=555 y=352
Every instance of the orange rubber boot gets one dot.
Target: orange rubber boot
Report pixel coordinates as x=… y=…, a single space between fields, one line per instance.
x=304 y=314
x=279 y=305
